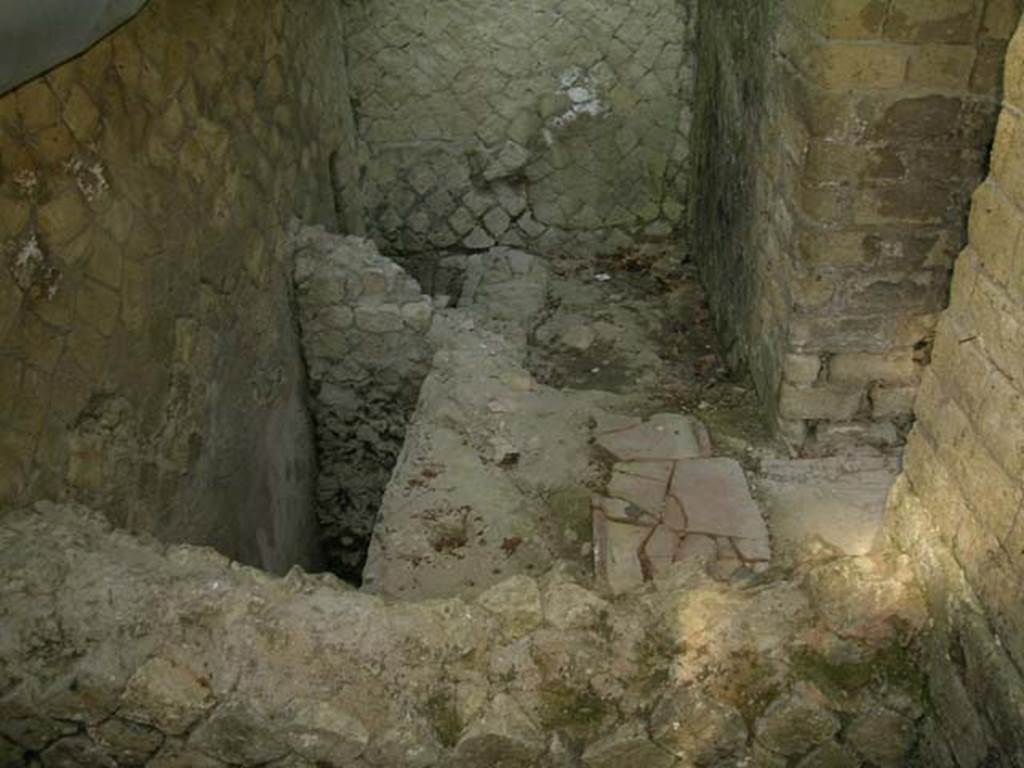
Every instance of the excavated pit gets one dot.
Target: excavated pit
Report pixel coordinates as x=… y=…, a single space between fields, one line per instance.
x=531 y=597
x=363 y=325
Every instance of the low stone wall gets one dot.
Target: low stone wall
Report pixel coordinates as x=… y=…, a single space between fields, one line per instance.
x=364 y=326
x=148 y=359
x=121 y=652
x=556 y=127
x=871 y=128
x=958 y=509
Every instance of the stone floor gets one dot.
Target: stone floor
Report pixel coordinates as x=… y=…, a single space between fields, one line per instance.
x=668 y=500
x=576 y=412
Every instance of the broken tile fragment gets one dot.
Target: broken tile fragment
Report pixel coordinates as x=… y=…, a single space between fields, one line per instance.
x=716 y=500
x=666 y=436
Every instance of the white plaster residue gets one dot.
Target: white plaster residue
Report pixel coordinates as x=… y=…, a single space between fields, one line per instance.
x=27 y=181
x=91 y=180
x=30 y=254
x=29 y=268
x=582 y=88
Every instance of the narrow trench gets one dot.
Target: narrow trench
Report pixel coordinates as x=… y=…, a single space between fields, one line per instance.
x=362 y=403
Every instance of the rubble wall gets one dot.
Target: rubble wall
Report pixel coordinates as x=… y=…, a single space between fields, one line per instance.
x=551 y=126
x=958 y=509
x=148 y=360
x=125 y=652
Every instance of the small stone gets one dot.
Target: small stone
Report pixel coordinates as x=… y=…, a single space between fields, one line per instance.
x=796 y=722
x=324 y=733
x=830 y=755
x=462 y=221
x=418 y=315
x=503 y=737
x=63 y=217
x=579 y=337
x=516 y=602
x=167 y=696
x=408 y=745
x=508 y=162
x=696 y=728
x=478 y=239
x=175 y=754
x=648 y=493
x=570 y=606
x=76 y=752
x=379 y=318
x=238 y=733
x=717 y=501
x=129 y=743
x=497 y=221
x=627 y=746
x=882 y=737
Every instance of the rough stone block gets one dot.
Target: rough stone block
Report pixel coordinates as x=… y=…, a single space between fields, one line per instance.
x=167 y=696
x=861 y=368
x=841 y=18
x=890 y=402
x=831 y=403
x=941 y=66
x=838 y=65
x=801 y=370
x=950 y=21
x=995 y=231
x=1000 y=19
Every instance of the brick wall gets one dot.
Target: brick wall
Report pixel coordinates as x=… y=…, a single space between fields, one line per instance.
x=148 y=363
x=880 y=115
x=958 y=510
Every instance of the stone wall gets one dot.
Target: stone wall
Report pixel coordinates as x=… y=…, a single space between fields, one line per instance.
x=740 y=221
x=121 y=652
x=148 y=360
x=958 y=510
x=557 y=126
x=882 y=118
x=364 y=325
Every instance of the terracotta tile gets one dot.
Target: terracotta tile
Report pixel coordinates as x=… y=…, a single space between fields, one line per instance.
x=717 y=500
x=665 y=437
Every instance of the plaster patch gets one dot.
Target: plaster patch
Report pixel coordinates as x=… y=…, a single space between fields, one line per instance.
x=583 y=89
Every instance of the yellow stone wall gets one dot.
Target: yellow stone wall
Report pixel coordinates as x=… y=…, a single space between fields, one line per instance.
x=959 y=509
x=148 y=363
x=836 y=146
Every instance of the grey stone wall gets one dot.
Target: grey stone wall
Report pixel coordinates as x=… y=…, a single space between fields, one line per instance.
x=364 y=325
x=739 y=218
x=148 y=360
x=550 y=125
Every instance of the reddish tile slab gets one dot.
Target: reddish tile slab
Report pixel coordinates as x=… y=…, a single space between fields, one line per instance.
x=647 y=493
x=617 y=552
x=716 y=501
x=666 y=436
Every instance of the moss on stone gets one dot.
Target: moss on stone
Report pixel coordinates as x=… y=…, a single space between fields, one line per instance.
x=893 y=665
x=752 y=684
x=572 y=711
x=571 y=515
x=441 y=712
x=654 y=655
